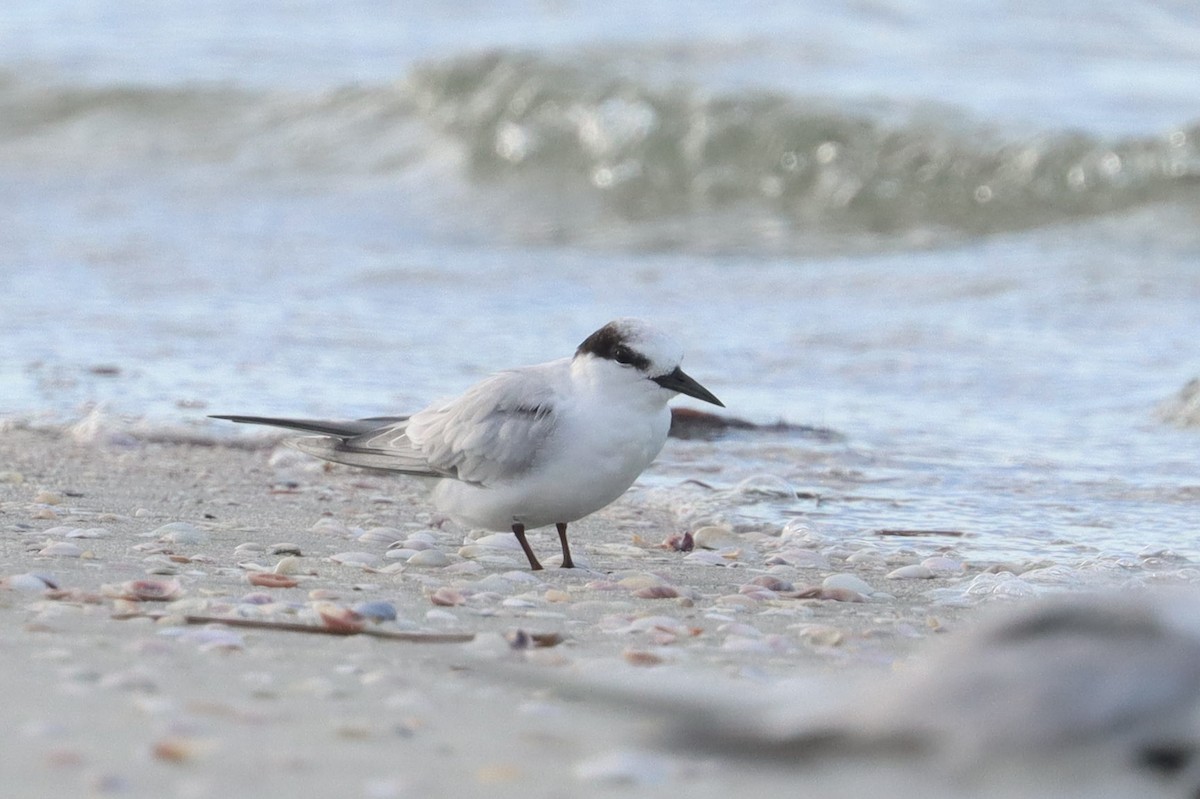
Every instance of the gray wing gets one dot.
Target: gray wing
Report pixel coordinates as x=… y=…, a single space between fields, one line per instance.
x=492 y=432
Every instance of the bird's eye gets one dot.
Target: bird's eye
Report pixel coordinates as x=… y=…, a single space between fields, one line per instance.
x=622 y=354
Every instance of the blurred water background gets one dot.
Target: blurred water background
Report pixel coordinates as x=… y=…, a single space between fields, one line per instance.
x=965 y=237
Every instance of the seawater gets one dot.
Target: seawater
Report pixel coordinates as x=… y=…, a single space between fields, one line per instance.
x=964 y=239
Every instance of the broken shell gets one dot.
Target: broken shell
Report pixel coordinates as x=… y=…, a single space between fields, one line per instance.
x=447 y=597
x=340 y=619
x=144 y=590
x=772 y=582
x=271 y=580
x=637 y=581
x=640 y=657
x=679 y=543
x=178 y=749
x=656 y=592
x=841 y=595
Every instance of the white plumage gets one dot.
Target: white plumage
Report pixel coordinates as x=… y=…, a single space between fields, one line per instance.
x=528 y=447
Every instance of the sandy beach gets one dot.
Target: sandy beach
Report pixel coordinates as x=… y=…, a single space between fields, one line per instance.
x=103 y=702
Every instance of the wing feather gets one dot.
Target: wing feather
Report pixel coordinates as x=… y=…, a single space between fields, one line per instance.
x=492 y=432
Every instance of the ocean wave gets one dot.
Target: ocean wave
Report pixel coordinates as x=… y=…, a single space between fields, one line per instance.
x=574 y=151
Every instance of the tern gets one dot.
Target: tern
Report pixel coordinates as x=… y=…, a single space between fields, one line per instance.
x=532 y=446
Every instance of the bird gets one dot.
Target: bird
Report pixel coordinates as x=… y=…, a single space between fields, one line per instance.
x=532 y=446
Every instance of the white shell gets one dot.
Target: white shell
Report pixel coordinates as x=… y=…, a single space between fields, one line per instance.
x=429 y=557
x=848 y=582
x=180 y=533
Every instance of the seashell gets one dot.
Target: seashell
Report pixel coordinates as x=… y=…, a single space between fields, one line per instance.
x=320 y=594
x=679 y=543
x=47 y=498
x=427 y=536
x=249 y=546
x=735 y=601
x=338 y=618
x=915 y=571
x=364 y=559
x=447 y=597
x=656 y=592
x=286 y=549
x=415 y=544
x=943 y=566
x=43 y=513
x=847 y=582
x=180 y=749
x=376 y=611
x=62 y=549
x=640 y=657
x=271 y=580
x=556 y=595
x=758 y=593
x=387 y=536
x=841 y=595
x=713 y=537
x=180 y=533
x=144 y=590
x=28 y=582
x=637 y=581
x=289 y=565
x=215 y=637
x=401 y=554
x=429 y=557
x=772 y=582
x=257 y=598
x=89 y=532
x=331 y=527
x=822 y=634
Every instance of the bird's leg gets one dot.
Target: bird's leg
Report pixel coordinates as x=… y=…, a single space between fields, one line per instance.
x=519 y=531
x=562 y=536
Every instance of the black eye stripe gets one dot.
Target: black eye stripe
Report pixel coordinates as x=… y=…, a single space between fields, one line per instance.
x=608 y=343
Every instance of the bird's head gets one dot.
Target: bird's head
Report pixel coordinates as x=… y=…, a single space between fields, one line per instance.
x=636 y=353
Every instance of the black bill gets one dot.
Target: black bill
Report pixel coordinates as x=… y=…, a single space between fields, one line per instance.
x=681 y=382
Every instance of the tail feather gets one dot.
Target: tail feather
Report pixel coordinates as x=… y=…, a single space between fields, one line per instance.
x=394 y=460
x=338 y=442
x=337 y=429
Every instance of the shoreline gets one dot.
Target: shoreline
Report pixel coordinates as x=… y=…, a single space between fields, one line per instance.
x=127 y=706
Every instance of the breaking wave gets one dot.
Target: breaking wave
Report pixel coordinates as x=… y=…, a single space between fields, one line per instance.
x=574 y=151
